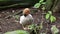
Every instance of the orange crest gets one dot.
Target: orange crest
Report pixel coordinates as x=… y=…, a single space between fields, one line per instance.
x=26 y=11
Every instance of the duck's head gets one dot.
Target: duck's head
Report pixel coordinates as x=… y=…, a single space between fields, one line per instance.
x=26 y=11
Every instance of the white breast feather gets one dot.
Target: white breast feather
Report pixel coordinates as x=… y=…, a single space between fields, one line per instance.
x=24 y=20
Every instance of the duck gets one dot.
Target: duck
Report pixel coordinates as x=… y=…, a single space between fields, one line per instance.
x=26 y=19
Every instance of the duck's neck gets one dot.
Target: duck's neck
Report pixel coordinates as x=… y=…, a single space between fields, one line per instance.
x=25 y=15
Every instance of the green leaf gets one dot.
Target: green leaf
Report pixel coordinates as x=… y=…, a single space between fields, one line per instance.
x=52 y=19
x=43 y=8
x=54 y=29
x=17 y=32
x=16 y=17
x=31 y=26
x=44 y=3
x=41 y=25
x=37 y=5
x=50 y=12
x=41 y=1
x=47 y=16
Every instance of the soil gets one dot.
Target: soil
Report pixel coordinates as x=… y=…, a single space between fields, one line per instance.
x=9 y=23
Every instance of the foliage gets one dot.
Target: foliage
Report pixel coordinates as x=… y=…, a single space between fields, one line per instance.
x=47 y=16
x=49 y=12
x=31 y=26
x=37 y=5
x=16 y=17
x=52 y=19
x=41 y=25
x=42 y=33
x=18 y=32
x=54 y=29
x=50 y=16
x=43 y=8
x=35 y=27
